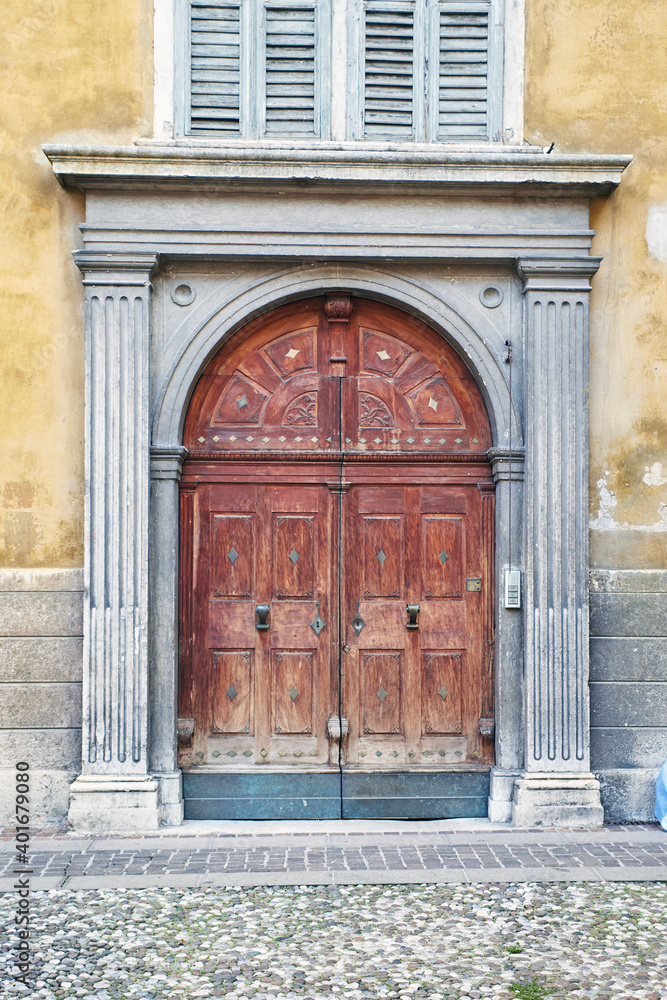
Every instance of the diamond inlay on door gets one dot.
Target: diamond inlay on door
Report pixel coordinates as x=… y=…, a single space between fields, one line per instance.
x=382 y=692
x=383 y=568
x=294 y=548
x=232 y=694
x=232 y=572
x=441 y=693
x=292 y=692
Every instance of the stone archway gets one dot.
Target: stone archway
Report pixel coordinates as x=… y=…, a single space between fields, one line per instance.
x=545 y=775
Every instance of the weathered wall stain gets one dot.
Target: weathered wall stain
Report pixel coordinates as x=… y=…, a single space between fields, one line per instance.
x=596 y=80
x=70 y=72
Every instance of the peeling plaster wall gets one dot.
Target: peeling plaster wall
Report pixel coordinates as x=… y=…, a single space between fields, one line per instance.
x=70 y=72
x=596 y=80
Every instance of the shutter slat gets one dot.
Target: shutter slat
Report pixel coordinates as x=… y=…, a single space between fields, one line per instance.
x=216 y=89
x=463 y=81
x=290 y=70
x=215 y=68
x=389 y=72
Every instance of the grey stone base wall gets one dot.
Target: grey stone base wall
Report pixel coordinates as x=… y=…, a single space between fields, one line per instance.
x=628 y=682
x=41 y=656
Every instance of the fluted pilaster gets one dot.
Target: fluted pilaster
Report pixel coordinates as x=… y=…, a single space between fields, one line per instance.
x=556 y=294
x=115 y=679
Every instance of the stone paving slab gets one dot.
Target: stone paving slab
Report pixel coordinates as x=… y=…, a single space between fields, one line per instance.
x=402 y=854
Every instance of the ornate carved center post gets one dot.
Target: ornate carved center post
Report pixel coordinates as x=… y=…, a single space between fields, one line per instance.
x=558 y=788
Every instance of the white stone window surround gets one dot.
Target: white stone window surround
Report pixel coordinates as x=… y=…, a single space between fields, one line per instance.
x=169 y=73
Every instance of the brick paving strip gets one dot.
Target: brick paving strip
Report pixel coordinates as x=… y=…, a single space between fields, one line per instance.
x=246 y=854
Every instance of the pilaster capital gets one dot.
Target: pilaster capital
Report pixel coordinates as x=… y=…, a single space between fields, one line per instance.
x=167 y=463
x=557 y=274
x=116 y=268
x=501 y=464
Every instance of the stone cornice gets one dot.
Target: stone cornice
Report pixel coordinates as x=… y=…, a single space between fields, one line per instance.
x=350 y=165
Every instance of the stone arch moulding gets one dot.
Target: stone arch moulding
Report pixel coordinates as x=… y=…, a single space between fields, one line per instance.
x=480 y=343
x=473 y=335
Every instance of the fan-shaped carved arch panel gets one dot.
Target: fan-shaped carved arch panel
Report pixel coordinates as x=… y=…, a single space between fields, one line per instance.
x=375 y=381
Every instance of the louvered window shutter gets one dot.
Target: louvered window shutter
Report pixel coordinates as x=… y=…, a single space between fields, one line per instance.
x=290 y=71
x=215 y=68
x=389 y=71
x=463 y=86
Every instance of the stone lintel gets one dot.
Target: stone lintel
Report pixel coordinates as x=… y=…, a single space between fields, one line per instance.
x=189 y=165
x=557 y=799
x=114 y=803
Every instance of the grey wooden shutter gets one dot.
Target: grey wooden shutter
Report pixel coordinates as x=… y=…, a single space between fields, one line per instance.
x=463 y=96
x=290 y=70
x=215 y=68
x=388 y=85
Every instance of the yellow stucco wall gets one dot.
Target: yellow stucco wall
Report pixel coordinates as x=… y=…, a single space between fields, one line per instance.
x=596 y=81
x=70 y=72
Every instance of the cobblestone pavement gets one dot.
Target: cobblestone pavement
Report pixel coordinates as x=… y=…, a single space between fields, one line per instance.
x=423 y=942
x=406 y=855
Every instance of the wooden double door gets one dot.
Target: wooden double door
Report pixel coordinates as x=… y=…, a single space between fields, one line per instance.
x=336 y=604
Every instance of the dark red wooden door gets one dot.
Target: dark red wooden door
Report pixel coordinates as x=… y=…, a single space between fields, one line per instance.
x=336 y=474
x=261 y=685
x=415 y=681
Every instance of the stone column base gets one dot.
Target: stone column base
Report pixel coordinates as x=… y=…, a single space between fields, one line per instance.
x=500 y=794
x=557 y=800
x=108 y=803
x=171 y=798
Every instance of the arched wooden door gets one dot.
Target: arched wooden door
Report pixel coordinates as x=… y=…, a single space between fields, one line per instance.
x=336 y=651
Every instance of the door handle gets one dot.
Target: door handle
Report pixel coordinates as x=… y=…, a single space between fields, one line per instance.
x=412 y=610
x=262 y=611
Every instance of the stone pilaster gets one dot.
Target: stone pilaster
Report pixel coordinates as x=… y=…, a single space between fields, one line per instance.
x=116 y=790
x=508 y=477
x=166 y=466
x=557 y=788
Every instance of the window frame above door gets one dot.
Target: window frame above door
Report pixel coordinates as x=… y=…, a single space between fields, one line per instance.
x=339 y=76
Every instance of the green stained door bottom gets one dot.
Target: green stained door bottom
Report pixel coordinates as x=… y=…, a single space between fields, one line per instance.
x=353 y=795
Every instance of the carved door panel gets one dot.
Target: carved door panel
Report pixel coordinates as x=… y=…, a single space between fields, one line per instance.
x=413 y=622
x=261 y=665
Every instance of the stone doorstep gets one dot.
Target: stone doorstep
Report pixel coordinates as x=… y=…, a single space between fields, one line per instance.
x=240 y=834
x=283 y=878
